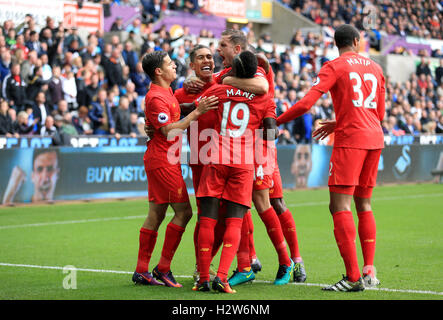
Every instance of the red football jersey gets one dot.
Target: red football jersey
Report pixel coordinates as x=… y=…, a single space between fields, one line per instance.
x=161 y=109
x=239 y=114
x=205 y=121
x=357 y=87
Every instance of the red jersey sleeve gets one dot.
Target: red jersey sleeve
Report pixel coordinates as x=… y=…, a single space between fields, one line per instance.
x=326 y=78
x=159 y=113
x=270 y=110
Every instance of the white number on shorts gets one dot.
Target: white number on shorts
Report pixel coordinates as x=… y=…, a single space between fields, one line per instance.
x=233 y=115
x=369 y=102
x=259 y=172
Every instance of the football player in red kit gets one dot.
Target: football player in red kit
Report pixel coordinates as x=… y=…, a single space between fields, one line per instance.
x=229 y=172
x=357 y=87
x=165 y=182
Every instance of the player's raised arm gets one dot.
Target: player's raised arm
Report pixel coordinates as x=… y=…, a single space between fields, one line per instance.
x=205 y=104
x=257 y=85
x=325 y=80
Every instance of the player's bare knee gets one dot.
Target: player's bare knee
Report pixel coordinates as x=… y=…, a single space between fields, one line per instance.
x=261 y=200
x=279 y=205
x=362 y=204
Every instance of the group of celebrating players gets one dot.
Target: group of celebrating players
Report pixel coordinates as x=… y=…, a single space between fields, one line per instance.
x=232 y=127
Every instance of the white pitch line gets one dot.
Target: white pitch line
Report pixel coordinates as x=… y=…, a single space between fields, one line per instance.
x=43 y=224
x=321 y=203
x=3 y=264
x=302 y=204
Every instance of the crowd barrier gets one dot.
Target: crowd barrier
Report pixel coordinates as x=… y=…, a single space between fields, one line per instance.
x=104 y=167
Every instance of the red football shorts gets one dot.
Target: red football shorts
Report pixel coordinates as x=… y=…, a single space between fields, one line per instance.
x=228 y=183
x=276 y=191
x=353 y=171
x=166 y=185
x=197 y=170
x=262 y=181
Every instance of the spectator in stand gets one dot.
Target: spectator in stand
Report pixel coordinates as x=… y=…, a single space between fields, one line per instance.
x=152 y=10
x=6 y=123
x=92 y=89
x=117 y=25
x=49 y=128
x=27 y=67
x=130 y=56
x=73 y=35
x=33 y=44
x=131 y=94
x=55 y=86
x=101 y=114
x=113 y=69
x=46 y=68
x=82 y=122
x=439 y=73
x=5 y=64
x=423 y=67
x=62 y=108
x=41 y=110
x=141 y=80
x=123 y=124
x=36 y=83
x=134 y=26
x=22 y=125
x=69 y=87
x=14 y=89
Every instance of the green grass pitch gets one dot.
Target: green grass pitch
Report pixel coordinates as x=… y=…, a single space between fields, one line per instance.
x=100 y=239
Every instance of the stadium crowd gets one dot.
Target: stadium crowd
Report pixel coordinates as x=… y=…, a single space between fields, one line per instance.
x=55 y=83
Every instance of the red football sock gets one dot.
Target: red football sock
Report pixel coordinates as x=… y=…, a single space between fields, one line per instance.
x=366 y=233
x=205 y=242
x=231 y=241
x=288 y=226
x=345 y=234
x=275 y=233
x=173 y=237
x=147 y=241
x=197 y=225
x=219 y=229
x=252 y=253
x=243 y=259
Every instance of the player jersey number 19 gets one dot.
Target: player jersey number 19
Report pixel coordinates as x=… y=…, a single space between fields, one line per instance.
x=232 y=114
x=368 y=102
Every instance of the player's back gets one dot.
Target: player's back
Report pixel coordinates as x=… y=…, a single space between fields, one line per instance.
x=239 y=115
x=358 y=99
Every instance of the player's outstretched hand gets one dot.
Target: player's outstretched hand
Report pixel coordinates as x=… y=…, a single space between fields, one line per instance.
x=327 y=127
x=207 y=103
x=193 y=85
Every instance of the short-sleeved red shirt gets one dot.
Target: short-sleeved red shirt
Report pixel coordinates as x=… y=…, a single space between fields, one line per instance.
x=239 y=114
x=357 y=87
x=162 y=108
x=205 y=121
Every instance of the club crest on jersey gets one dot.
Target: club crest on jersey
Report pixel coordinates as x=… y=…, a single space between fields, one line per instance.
x=163 y=117
x=317 y=81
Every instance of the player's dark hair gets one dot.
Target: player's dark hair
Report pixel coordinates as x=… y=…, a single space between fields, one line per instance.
x=237 y=37
x=152 y=61
x=344 y=36
x=245 y=64
x=194 y=50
